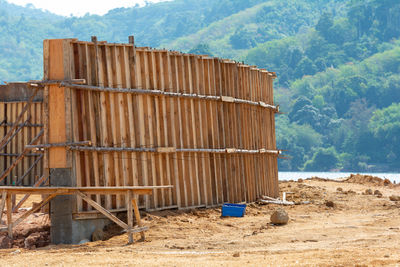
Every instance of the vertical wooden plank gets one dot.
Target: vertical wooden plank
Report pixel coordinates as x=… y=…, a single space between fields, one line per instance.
x=171 y=106
x=211 y=187
x=166 y=127
x=178 y=133
x=141 y=120
x=154 y=131
x=119 y=137
x=75 y=131
x=219 y=166
x=92 y=79
x=160 y=159
x=24 y=137
x=113 y=121
x=194 y=127
x=10 y=119
x=129 y=66
x=104 y=134
x=2 y=133
x=185 y=124
x=125 y=102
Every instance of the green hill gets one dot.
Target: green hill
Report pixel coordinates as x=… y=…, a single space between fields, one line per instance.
x=337 y=61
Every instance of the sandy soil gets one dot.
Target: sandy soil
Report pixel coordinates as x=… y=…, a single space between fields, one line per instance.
x=361 y=230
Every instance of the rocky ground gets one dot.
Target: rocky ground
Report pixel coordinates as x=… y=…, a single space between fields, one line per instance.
x=353 y=222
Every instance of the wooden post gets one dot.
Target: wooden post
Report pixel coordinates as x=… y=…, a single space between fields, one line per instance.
x=2 y=204
x=129 y=215
x=9 y=215
x=57 y=66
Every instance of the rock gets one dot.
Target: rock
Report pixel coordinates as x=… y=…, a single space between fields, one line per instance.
x=387 y=182
x=279 y=217
x=377 y=192
x=98 y=235
x=330 y=204
x=339 y=189
x=5 y=242
x=394 y=198
x=300 y=180
x=17 y=251
x=351 y=192
x=31 y=240
x=368 y=191
x=236 y=254
x=83 y=241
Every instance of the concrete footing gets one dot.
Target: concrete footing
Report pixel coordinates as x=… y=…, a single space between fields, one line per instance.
x=64 y=229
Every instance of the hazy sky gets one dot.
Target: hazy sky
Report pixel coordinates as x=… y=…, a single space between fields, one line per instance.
x=80 y=7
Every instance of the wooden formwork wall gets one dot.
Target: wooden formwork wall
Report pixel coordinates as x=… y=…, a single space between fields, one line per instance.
x=28 y=129
x=122 y=119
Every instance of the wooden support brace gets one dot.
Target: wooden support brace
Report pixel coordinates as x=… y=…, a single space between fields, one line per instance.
x=137 y=216
x=37 y=184
x=29 y=212
x=21 y=115
x=20 y=157
x=103 y=211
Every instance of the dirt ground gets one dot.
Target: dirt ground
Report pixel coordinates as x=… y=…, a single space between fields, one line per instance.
x=360 y=230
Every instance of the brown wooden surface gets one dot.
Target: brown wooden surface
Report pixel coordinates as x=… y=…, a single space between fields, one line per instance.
x=118 y=119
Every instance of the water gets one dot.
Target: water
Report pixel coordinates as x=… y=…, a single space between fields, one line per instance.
x=393 y=177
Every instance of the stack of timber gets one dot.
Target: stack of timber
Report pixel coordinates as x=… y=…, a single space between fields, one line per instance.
x=13 y=99
x=156 y=117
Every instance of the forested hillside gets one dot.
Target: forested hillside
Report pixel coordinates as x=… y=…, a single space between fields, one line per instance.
x=337 y=61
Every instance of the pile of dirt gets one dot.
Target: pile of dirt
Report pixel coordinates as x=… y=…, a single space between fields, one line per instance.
x=299 y=192
x=368 y=180
x=34 y=232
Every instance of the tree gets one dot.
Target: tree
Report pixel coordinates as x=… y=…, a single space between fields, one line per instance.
x=201 y=49
x=324 y=25
x=324 y=159
x=385 y=125
x=242 y=39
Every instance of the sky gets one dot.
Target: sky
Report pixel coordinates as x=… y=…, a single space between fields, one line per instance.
x=80 y=7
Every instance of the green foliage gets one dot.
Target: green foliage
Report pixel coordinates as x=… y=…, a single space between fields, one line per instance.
x=324 y=159
x=201 y=49
x=337 y=61
x=385 y=126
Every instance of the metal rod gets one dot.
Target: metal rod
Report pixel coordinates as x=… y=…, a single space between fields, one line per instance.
x=80 y=143
x=28 y=124
x=16 y=155
x=163 y=93
x=183 y=150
